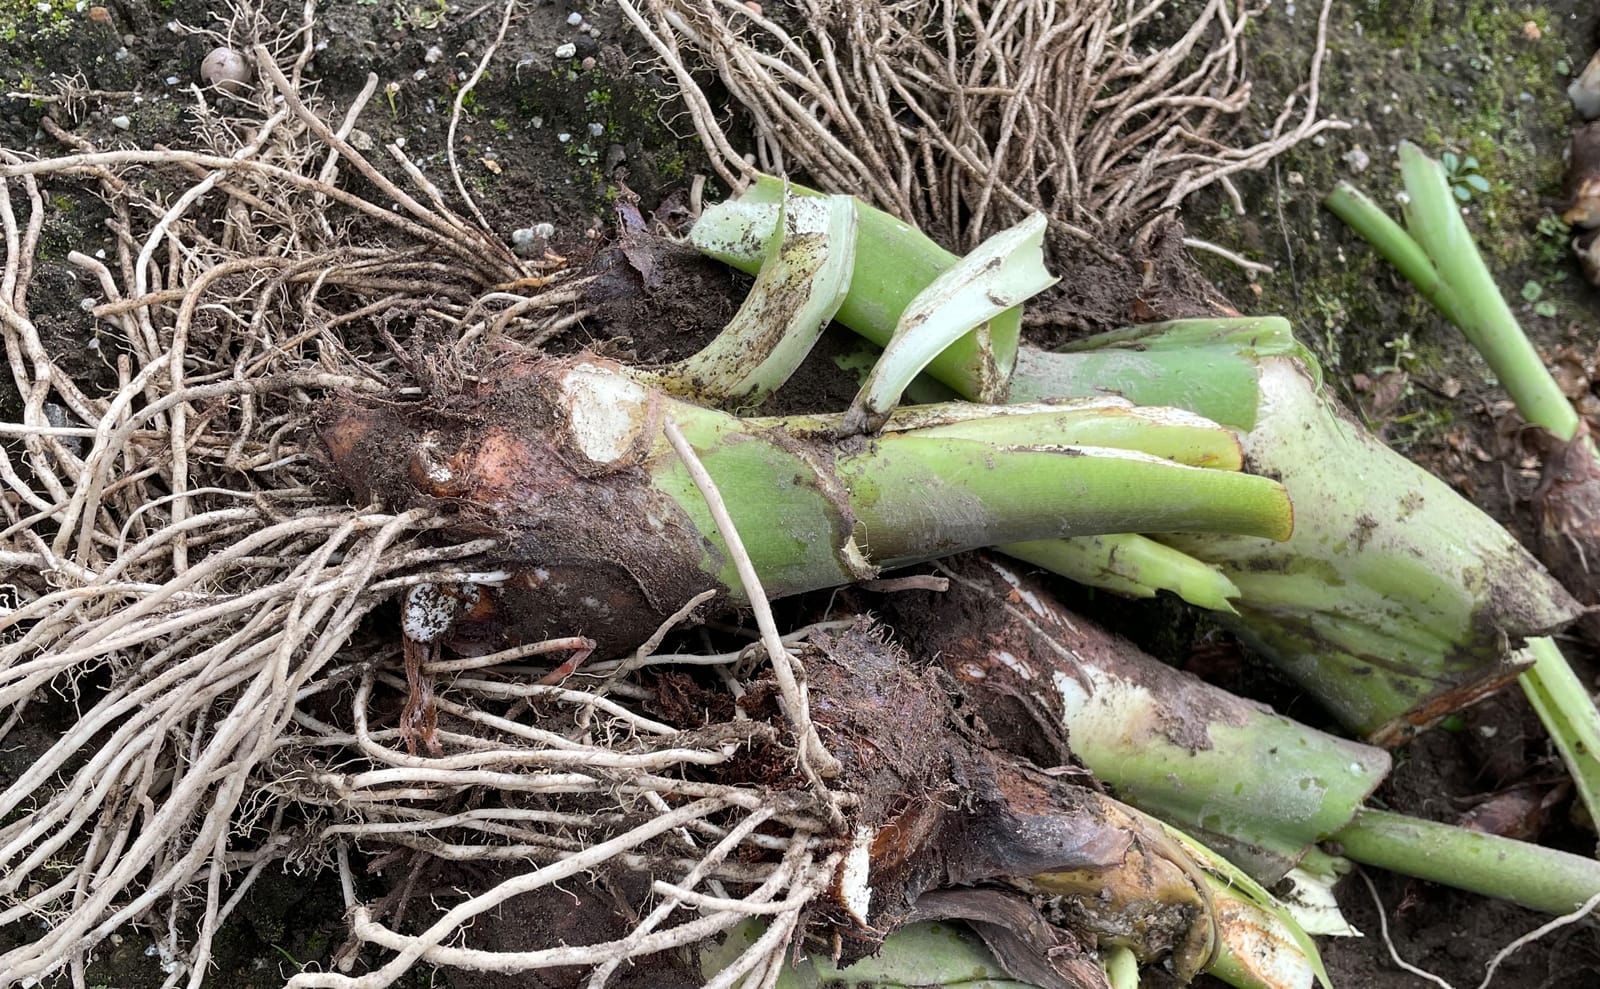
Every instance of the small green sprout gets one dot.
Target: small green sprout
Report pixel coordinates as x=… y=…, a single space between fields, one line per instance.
x=1462 y=174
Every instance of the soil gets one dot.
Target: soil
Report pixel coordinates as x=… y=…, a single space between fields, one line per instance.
x=566 y=140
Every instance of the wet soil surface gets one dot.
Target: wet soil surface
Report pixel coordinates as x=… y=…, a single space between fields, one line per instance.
x=559 y=137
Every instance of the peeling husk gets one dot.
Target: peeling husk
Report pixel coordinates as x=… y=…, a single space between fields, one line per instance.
x=938 y=807
x=1255 y=786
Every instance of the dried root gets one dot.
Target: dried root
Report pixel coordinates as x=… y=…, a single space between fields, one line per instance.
x=179 y=569
x=963 y=116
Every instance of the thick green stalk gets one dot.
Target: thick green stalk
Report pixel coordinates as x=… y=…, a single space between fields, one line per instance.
x=1391 y=601
x=1207 y=366
x=1531 y=875
x=1568 y=712
x=565 y=460
x=1434 y=219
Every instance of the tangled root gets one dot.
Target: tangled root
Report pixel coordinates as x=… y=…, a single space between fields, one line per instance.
x=963 y=116
x=179 y=569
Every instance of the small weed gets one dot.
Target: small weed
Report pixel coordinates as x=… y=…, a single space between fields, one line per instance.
x=1462 y=174
x=1533 y=292
x=1550 y=238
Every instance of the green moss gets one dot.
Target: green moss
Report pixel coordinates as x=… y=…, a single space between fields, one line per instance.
x=24 y=19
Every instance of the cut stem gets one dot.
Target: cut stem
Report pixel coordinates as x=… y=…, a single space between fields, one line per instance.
x=803 y=278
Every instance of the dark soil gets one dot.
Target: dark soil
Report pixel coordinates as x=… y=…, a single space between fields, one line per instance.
x=1468 y=77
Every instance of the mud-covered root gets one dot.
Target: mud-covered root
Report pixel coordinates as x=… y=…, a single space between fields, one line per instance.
x=604 y=531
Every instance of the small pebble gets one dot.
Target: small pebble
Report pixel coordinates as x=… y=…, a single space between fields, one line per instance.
x=433 y=54
x=588 y=63
x=544 y=231
x=1357 y=160
x=121 y=122
x=595 y=130
x=522 y=238
x=227 y=70
x=1295 y=178
x=420 y=75
x=567 y=50
x=574 y=18
x=563 y=137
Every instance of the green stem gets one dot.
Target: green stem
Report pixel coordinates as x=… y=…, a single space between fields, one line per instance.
x=1531 y=875
x=894 y=262
x=1121 y=967
x=1392 y=600
x=1475 y=303
x=1390 y=239
x=918 y=498
x=1254 y=785
x=1131 y=565
x=1568 y=713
